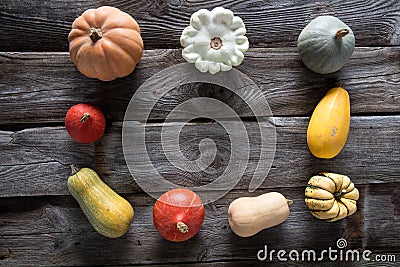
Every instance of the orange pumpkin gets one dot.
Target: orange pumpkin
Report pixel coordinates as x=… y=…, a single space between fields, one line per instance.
x=105 y=43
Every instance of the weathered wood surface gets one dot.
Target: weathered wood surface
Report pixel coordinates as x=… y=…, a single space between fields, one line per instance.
x=54 y=231
x=47 y=84
x=36 y=161
x=42 y=225
x=29 y=25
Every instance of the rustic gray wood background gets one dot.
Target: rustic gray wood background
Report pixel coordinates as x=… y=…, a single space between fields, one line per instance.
x=41 y=224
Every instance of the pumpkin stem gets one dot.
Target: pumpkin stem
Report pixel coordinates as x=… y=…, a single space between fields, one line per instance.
x=340 y=194
x=74 y=169
x=289 y=202
x=85 y=116
x=182 y=227
x=216 y=43
x=341 y=33
x=95 y=34
x=341 y=84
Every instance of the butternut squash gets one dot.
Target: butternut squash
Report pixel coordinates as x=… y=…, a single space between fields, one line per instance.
x=108 y=213
x=329 y=124
x=249 y=215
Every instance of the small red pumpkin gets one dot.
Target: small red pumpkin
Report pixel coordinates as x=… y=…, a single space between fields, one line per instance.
x=85 y=123
x=178 y=214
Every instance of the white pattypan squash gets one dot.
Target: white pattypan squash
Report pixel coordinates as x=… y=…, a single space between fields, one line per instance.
x=215 y=40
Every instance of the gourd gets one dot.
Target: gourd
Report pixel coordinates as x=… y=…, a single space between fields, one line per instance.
x=178 y=214
x=325 y=44
x=108 y=213
x=215 y=40
x=329 y=124
x=85 y=123
x=249 y=215
x=105 y=43
x=331 y=196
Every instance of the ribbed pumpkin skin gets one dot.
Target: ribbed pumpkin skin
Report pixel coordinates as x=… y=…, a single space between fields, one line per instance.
x=115 y=54
x=331 y=196
x=108 y=213
x=320 y=49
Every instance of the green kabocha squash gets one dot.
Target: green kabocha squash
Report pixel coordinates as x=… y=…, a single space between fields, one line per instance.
x=108 y=213
x=325 y=44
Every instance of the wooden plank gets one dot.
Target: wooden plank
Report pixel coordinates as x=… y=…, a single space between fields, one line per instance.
x=51 y=84
x=47 y=84
x=323 y=263
x=242 y=263
x=40 y=26
x=37 y=160
x=54 y=231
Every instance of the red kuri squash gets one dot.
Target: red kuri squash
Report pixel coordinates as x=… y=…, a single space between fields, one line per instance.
x=178 y=214
x=85 y=123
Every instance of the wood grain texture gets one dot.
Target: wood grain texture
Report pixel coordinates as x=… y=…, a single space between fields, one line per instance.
x=241 y=263
x=42 y=225
x=37 y=160
x=47 y=84
x=54 y=231
x=29 y=25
